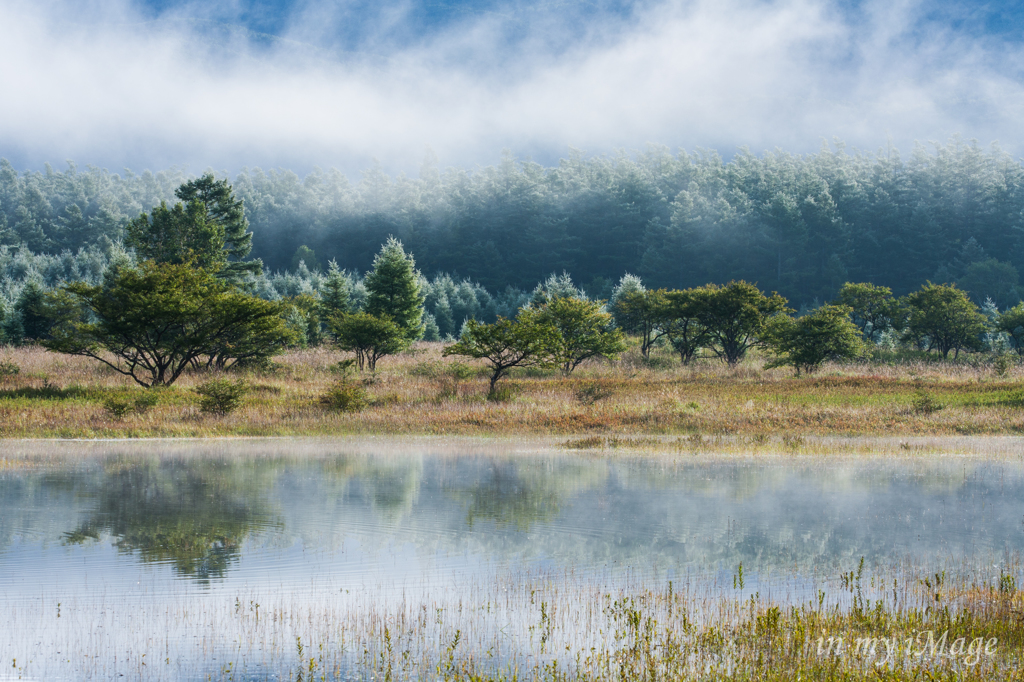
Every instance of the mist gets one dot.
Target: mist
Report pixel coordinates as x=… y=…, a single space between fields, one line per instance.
x=119 y=85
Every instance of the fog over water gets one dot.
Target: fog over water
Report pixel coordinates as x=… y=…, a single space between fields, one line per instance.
x=178 y=559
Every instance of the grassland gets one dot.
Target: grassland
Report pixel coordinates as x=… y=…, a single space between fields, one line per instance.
x=55 y=396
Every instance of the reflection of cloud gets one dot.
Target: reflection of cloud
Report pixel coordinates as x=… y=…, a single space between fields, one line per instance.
x=709 y=72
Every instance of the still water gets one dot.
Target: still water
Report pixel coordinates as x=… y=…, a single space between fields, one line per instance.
x=182 y=560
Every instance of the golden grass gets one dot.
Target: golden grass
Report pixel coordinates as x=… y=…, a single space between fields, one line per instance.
x=61 y=396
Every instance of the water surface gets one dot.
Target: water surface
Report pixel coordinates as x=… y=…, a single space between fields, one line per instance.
x=116 y=557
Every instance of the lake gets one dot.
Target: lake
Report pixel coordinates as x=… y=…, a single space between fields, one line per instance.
x=263 y=559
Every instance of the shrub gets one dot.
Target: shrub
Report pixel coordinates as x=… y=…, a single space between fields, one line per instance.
x=1002 y=365
x=926 y=403
x=345 y=395
x=8 y=368
x=121 y=405
x=221 y=396
x=590 y=393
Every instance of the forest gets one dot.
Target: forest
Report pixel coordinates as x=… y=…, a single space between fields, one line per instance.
x=802 y=225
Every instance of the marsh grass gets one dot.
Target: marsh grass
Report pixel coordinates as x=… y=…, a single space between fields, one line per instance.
x=423 y=393
x=895 y=624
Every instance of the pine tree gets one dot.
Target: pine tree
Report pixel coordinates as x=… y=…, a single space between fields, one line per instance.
x=228 y=213
x=335 y=293
x=393 y=289
x=29 y=307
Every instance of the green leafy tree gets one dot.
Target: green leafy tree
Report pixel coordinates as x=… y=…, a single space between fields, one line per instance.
x=642 y=313
x=873 y=308
x=223 y=209
x=306 y=255
x=152 y=322
x=183 y=233
x=369 y=336
x=943 y=318
x=681 y=322
x=393 y=289
x=505 y=344
x=584 y=331
x=252 y=341
x=736 y=316
x=1011 y=322
x=806 y=342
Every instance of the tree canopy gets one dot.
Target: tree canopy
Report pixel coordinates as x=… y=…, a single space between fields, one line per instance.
x=584 y=331
x=368 y=336
x=736 y=316
x=943 y=318
x=806 y=342
x=207 y=228
x=505 y=344
x=151 y=322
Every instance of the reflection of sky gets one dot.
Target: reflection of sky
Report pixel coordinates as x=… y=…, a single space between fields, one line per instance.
x=345 y=534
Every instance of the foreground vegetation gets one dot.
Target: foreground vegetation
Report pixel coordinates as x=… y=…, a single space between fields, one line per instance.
x=916 y=628
x=314 y=392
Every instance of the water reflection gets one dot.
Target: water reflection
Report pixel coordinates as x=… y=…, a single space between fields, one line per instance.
x=201 y=514
x=222 y=556
x=192 y=514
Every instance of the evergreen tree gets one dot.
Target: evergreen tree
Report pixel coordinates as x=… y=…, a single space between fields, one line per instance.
x=30 y=308
x=393 y=289
x=229 y=214
x=184 y=233
x=335 y=292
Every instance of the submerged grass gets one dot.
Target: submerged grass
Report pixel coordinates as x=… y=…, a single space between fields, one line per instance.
x=421 y=393
x=874 y=625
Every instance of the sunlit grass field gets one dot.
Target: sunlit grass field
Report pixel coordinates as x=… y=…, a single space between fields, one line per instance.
x=61 y=396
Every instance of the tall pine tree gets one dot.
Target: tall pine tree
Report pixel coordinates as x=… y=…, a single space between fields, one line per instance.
x=229 y=213
x=393 y=289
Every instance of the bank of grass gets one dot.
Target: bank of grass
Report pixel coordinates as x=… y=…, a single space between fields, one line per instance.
x=419 y=392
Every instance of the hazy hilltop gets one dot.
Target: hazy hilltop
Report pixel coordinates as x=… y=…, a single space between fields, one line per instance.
x=799 y=224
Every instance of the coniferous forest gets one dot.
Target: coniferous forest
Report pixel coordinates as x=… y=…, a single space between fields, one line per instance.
x=801 y=225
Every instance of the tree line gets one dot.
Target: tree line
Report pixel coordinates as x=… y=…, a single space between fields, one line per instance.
x=182 y=295
x=799 y=225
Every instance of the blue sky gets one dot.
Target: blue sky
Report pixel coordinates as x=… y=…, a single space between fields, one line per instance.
x=151 y=83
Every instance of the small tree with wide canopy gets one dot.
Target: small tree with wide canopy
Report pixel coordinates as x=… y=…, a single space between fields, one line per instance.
x=368 y=336
x=943 y=318
x=150 y=323
x=584 y=331
x=806 y=342
x=505 y=344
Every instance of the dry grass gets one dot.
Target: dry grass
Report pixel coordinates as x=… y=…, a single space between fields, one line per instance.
x=60 y=396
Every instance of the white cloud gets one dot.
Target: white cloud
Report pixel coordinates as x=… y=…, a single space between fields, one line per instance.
x=711 y=73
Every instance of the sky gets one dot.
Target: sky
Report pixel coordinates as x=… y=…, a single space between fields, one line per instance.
x=337 y=83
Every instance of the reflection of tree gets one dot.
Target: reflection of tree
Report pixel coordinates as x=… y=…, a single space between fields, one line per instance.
x=193 y=514
x=391 y=486
x=516 y=496
x=507 y=500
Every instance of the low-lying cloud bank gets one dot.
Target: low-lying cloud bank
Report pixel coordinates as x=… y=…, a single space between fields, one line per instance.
x=107 y=86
